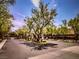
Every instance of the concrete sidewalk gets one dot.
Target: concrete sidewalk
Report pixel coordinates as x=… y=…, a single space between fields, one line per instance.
x=66 y=53
x=74 y=49
x=2 y=43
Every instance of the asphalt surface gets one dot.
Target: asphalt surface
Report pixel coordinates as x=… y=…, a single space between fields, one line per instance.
x=66 y=53
x=13 y=49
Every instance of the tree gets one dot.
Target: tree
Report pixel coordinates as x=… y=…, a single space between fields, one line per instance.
x=63 y=29
x=5 y=18
x=7 y=2
x=50 y=30
x=41 y=17
x=22 y=32
x=74 y=24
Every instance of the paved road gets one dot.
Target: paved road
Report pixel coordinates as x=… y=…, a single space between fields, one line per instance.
x=66 y=53
x=13 y=50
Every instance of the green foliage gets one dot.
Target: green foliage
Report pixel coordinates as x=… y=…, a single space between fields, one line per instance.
x=5 y=27
x=41 y=17
x=7 y=2
x=50 y=30
x=29 y=24
x=22 y=31
x=5 y=20
x=74 y=24
x=63 y=29
x=5 y=17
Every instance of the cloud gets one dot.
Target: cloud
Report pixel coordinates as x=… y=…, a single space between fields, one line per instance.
x=17 y=24
x=18 y=13
x=36 y=3
x=53 y=3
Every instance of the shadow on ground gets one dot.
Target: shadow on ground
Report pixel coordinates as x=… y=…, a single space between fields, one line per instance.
x=41 y=46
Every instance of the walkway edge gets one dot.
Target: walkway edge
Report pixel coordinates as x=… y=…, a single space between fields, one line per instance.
x=2 y=43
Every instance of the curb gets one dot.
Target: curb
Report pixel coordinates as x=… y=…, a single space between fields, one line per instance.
x=2 y=43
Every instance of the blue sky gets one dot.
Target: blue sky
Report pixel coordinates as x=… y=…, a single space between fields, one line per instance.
x=66 y=9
